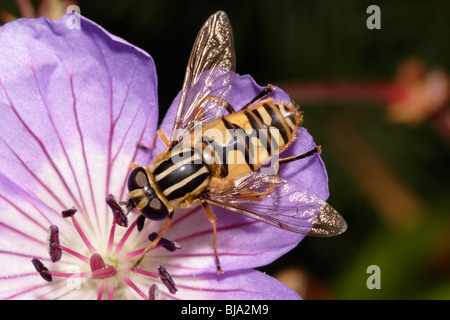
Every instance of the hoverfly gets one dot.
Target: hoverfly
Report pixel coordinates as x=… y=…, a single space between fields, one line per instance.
x=200 y=168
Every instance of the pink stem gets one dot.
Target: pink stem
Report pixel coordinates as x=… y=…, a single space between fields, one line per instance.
x=125 y=237
x=144 y=272
x=101 y=288
x=26 y=8
x=74 y=253
x=133 y=286
x=111 y=236
x=69 y=275
x=381 y=92
x=82 y=235
x=110 y=292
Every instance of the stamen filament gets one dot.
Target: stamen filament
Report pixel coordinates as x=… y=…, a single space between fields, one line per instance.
x=111 y=236
x=125 y=237
x=110 y=291
x=101 y=288
x=69 y=274
x=132 y=254
x=142 y=271
x=133 y=286
x=74 y=253
x=82 y=235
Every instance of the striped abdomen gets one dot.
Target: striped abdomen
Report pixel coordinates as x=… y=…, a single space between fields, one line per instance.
x=244 y=141
x=181 y=175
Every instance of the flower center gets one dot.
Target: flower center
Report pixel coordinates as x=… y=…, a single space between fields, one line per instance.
x=116 y=270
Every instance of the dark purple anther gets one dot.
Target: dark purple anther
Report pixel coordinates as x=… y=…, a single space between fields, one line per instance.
x=153 y=293
x=53 y=244
x=69 y=212
x=167 y=244
x=167 y=279
x=140 y=223
x=39 y=266
x=119 y=215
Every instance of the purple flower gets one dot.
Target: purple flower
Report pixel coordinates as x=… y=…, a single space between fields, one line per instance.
x=74 y=103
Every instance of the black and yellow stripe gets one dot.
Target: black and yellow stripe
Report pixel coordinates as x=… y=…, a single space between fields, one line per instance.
x=256 y=134
x=241 y=142
x=181 y=175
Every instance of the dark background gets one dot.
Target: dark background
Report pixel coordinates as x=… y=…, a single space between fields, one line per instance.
x=389 y=179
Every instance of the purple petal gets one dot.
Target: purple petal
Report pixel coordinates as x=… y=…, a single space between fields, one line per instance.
x=78 y=100
x=309 y=172
x=74 y=103
x=239 y=285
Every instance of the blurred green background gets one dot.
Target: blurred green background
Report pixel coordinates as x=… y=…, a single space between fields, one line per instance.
x=388 y=171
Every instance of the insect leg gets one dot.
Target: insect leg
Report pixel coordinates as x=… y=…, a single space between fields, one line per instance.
x=212 y=218
x=159 y=134
x=154 y=242
x=260 y=96
x=276 y=168
x=163 y=137
x=133 y=166
x=317 y=150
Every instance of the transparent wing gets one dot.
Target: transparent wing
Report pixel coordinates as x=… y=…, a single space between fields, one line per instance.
x=280 y=203
x=209 y=73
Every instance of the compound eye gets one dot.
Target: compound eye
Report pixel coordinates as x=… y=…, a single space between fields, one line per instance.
x=155 y=210
x=137 y=179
